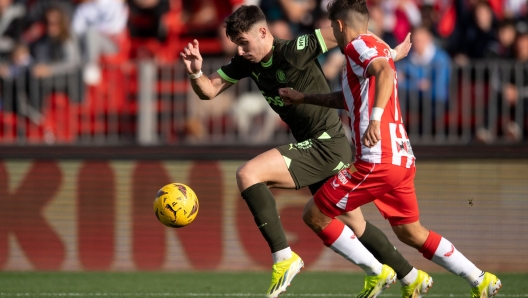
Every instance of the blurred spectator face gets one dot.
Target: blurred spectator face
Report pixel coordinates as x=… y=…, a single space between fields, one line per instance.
x=20 y=55
x=56 y=24
x=376 y=20
x=281 y=29
x=507 y=34
x=483 y=17
x=521 y=48
x=421 y=39
x=4 y=4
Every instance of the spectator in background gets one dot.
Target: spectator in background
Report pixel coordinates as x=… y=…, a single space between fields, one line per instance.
x=378 y=26
x=56 y=59
x=478 y=39
x=424 y=75
x=301 y=15
x=146 y=19
x=13 y=83
x=11 y=26
x=400 y=16
x=36 y=10
x=101 y=27
x=515 y=90
x=506 y=35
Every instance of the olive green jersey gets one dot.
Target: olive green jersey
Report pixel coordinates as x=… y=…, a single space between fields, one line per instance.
x=293 y=64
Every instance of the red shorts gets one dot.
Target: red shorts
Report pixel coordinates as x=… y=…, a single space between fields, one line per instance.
x=391 y=187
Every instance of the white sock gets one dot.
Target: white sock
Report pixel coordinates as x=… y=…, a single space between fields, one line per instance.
x=409 y=278
x=281 y=255
x=348 y=246
x=447 y=256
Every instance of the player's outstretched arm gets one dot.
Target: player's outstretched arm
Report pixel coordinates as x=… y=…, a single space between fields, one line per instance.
x=205 y=87
x=331 y=100
x=384 y=75
x=400 y=51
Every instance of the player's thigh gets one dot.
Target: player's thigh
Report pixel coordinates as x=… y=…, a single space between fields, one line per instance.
x=313 y=161
x=269 y=167
x=400 y=205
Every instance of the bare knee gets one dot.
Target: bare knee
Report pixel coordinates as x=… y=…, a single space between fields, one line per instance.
x=245 y=177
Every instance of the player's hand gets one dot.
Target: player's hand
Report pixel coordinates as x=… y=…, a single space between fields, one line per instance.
x=372 y=134
x=290 y=96
x=402 y=50
x=192 y=58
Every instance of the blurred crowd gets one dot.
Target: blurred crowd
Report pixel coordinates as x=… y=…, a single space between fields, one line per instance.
x=42 y=40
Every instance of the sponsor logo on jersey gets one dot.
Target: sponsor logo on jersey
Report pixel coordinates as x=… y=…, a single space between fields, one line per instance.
x=342 y=177
x=281 y=76
x=368 y=54
x=301 y=42
x=303 y=145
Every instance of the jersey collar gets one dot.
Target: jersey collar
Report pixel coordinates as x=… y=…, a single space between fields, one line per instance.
x=270 y=61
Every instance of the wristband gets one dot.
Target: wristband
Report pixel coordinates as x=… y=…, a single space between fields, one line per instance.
x=393 y=54
x=376 y=114
x=194 y=76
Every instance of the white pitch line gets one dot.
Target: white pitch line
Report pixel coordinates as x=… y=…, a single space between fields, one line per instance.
x=216 y=295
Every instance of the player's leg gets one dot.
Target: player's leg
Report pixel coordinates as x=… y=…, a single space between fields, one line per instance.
x=379 y=245
x=401 y=208
x=319 y=215
x=329 y=154
x=253 y=179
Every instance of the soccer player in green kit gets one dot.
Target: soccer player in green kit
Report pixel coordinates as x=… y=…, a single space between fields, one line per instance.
x=322 y=149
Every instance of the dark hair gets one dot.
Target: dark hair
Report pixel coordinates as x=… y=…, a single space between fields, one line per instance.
x=337 y=8
x=242 y=20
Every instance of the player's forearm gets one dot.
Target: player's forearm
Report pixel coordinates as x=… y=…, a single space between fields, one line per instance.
x=331 y=100
x=329 y=38
x=203 y=88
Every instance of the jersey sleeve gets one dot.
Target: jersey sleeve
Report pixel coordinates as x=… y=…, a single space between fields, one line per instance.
x=304 y=49
x=235 y=70
x=363 y=52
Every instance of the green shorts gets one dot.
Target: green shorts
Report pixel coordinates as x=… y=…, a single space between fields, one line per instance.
x=313 y=161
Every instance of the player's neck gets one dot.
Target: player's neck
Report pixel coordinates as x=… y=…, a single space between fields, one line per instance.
x=352 y=34
x=268 y=55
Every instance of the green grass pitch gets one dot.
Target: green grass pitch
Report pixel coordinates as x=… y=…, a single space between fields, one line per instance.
x=213 y=284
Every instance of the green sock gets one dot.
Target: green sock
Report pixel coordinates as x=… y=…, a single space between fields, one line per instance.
x=262 y=205
x=379 y=245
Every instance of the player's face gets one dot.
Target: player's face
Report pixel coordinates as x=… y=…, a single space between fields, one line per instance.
x=338 y=34
x=251 y=45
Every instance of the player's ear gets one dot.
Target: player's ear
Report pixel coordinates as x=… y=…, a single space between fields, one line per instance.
x=341 y=25
x=263 y=31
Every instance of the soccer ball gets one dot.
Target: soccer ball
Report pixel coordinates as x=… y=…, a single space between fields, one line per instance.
x=176 y=205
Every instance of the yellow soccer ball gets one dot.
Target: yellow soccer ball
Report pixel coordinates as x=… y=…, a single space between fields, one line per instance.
x=176 y=205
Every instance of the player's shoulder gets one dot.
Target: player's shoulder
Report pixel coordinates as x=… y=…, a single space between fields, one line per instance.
x=363 y=44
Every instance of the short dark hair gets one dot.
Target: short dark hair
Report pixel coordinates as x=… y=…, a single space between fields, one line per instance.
x=337 y=8
x=242 y=20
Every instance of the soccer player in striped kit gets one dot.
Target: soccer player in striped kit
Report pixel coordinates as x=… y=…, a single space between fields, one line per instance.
x=384 y=164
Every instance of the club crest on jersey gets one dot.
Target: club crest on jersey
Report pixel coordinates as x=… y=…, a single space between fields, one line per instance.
x=368 y=54
x=281 y=76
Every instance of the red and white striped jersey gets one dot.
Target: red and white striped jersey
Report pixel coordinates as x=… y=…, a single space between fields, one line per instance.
x=359 y=91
